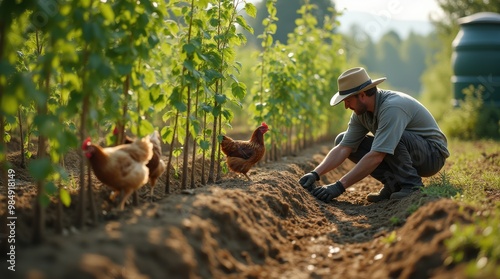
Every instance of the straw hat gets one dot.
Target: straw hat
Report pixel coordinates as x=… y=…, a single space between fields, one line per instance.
x=352 y=82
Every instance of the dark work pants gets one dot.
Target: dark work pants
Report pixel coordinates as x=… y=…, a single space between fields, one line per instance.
x=414 y=158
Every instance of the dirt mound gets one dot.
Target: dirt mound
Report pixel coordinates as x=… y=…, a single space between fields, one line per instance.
x=420 y=251
x=267 y=228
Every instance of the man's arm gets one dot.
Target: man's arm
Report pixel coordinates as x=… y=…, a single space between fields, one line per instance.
x=335 y=157
x=363 y=168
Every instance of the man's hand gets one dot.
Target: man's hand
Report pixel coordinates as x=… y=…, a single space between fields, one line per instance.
x=329 y=192
x=307 y=181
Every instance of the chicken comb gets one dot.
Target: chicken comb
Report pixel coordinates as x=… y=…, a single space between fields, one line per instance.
x=264 y=125
x=86 y=143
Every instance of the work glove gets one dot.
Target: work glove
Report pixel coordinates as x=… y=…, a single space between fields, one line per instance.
x=307 y=181
x=328 y=192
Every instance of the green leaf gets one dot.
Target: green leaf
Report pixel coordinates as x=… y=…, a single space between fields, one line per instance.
x=233 y=78
x=271 y=8
x=65 y=197
x=180 y=106
x=203 y=3
x=9 y=104
x=206 y=108
x=123 y=69
x=44 y=200
x=212 y=74
x=48 y=125
x=189 y=65
x=204 y=144
x=40 y=168
x=50 y=188
x=195 y=124
x=242 y=22
x=239 y=90
x=260 y=106
x=145 y=128
x=189 y=48
x=95 y=61
x=167 y=134
x=7 y=137
x=216 y=111
x=176 y=100
x=251 y=10
x=153 y=40
x=227 y=114
x=220 y=98
x=107 y=12
x=172 y=27
x=177 y=152
x=214 y=22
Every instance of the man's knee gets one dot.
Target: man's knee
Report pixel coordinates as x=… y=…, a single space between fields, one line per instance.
x=339 y=138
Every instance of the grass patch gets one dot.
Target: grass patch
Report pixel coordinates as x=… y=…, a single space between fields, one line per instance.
x=471 y=174
x=395 y=221
x=477 y=245
x=438 y=187
x=441 y=187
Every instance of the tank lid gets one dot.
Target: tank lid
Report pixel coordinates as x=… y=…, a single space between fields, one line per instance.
x=484 y=17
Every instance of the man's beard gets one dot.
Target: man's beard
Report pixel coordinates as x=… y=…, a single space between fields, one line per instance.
x=361 y=109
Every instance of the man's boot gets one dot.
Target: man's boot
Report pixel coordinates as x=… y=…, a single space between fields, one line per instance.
x=383 y=194
x=405 y=192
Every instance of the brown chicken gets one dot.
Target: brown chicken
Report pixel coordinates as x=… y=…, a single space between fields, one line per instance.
x=122 y=167
x=156 y=165
x=242 y=155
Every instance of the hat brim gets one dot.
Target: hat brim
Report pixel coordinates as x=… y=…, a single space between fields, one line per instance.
x=337 y=98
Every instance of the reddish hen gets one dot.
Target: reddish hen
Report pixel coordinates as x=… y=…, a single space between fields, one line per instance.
x=242 y=155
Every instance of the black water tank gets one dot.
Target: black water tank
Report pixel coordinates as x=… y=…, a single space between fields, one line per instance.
x=476 y=56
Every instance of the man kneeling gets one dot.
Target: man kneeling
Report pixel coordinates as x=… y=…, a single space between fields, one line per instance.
x=391 y=136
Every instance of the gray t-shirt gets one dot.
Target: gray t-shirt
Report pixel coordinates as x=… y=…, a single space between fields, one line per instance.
x=395 y=112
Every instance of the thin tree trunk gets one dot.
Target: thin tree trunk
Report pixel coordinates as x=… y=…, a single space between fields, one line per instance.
x=93 y=212
x=185 y=153
x=59 y=212
x=304 y=139
x=193 y=159
x=171 y=151
x=204 y=153
x=39 y=217
x=219 y=156
x=185 y=158
x=120 y=126
x=83 y=127
x=135 y=194
x=21 y=135
x=214 y=148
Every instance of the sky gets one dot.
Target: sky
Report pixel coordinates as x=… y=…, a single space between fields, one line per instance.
x=376 y=17
x=393 y=9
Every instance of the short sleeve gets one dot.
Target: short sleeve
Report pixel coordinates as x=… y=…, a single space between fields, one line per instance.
x=355 y=133
x=392 y=124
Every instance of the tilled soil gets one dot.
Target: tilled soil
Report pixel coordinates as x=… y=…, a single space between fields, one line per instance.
x=269 y=227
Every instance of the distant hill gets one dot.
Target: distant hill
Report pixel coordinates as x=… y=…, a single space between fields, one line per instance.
x=376 y=26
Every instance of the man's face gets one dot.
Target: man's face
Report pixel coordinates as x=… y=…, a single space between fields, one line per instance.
x=355 y=103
